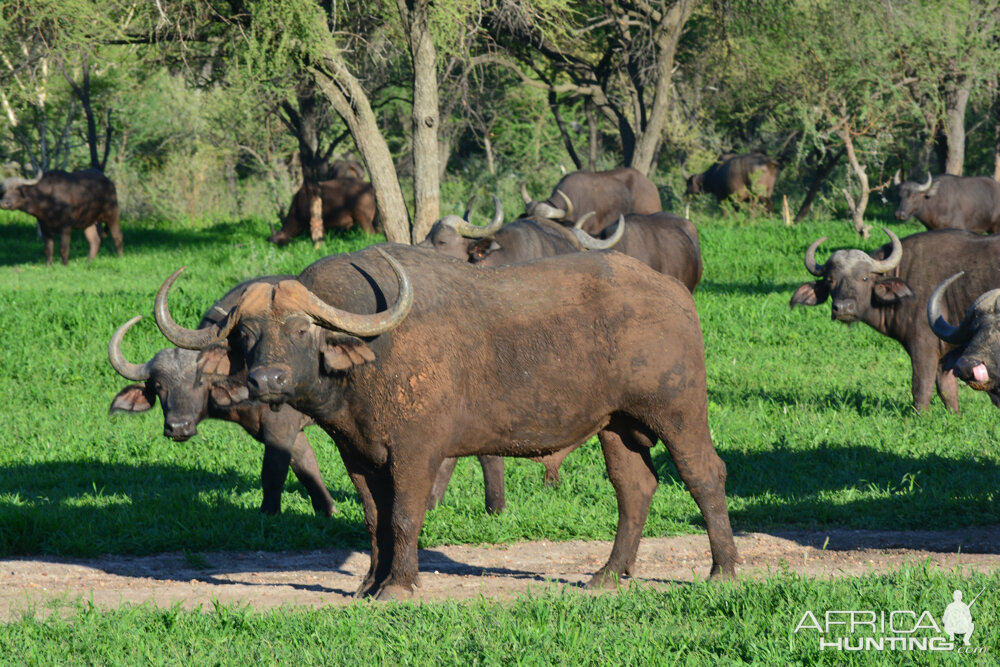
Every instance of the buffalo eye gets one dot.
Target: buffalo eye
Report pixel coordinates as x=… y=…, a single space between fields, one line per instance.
x=301 y=332
x=247 y=338
x=865 y=279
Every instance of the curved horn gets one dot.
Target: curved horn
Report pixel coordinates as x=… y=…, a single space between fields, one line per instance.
x=583 y=219
x=528 y=201
x=546 y=210
x=892 y=261
x=591 y=243
x=811 y=265
x=684 y=172
x=18 y=180
x=367 y=325
x=471 y=231
x=897 y=177
x=468 y=206
x=569 y=204
x=189 y=339
x=940 y=326
x=926 y=186
x=125 y=368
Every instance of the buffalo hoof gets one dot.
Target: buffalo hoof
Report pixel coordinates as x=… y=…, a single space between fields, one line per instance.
x=551 y=478
x=723 y=572
x=604 y=580
x=324 y=508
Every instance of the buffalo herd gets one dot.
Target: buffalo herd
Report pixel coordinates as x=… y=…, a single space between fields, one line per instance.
x=522 y=338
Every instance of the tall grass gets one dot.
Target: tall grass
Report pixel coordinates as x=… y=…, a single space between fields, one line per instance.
x=812 y=417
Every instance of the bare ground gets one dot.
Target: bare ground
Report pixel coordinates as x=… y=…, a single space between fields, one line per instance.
x=330 y=576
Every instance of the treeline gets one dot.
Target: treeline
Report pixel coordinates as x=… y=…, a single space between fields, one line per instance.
x=205 y=109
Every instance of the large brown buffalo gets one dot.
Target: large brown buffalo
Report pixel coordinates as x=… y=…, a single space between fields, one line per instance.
x=747 y=177
x=888 y=290
x=951 y=202
x=664 y=242
x=609 y=194
x=188 y=396
x=406 y=360
x=346 y=201
x=63 y=201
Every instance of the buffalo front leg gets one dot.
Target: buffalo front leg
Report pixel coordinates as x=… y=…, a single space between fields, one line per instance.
x=49 y=245
x=94 y=239
x=631 y=471
x=64 y=238
x=371 y=510
x=924 y=359
x=273 y=472
x=947 y=389
x=306 y=469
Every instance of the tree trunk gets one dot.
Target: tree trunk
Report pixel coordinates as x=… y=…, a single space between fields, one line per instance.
x=426 y=181
x=488 y=146
x=563 y=131
x=671 y=28
x=956 y=98
x=857 y=209
x=592 y=152
x=350 y=101
x=315 y=214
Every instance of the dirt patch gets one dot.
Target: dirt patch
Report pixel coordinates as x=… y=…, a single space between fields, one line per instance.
x=315 y=578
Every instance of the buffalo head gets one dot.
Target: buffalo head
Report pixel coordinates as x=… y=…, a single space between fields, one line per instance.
x=544 y=209
x=290 y=338
x=912 y=195
x=13 y=197
x=854 y=280
x=977 y=336
x=454 y=236
x=174 y=376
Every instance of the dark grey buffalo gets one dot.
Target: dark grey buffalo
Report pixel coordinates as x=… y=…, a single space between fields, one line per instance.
x=976 y=357
x=406 y=360
x=746 y=177
x=63 y=201
x=951 y=202
x=664 y=242
x=609 y=194
x=888 y=289
x=189 y=394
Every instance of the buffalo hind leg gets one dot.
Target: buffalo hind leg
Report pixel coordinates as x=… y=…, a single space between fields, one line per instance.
x=704 y=474
x=64 y=238
x=114 y=226
x=94 y=239
x=49 y=245
x=493 y=481
x=441 y=480
x=273 y=472
x=631 y=471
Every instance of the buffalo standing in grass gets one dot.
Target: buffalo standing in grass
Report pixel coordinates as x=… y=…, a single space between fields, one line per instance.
x=63 y=201
x=346 y=201
x=406 y=360
x=189 y=394
x=664 y=242
x=748 y=177
x=888 y=289
x=976 y=357
x=609 y=194
x=951 y=202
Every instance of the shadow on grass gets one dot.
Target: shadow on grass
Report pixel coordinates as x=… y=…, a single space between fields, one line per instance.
x=854 y=487
x=854 y=400
x=85 y=509
x=747 y=289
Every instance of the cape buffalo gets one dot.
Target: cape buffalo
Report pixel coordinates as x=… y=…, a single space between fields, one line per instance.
x=347 y=168
x=665 y=242
x=406 y=360
x=64 y=201
x=188 y=395
x=887 y=290
x=956 y=202
x=609 y=194
x=741 y=177
x=345 y=201
x=976 y=359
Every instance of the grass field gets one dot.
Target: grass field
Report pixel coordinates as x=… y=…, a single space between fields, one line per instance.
x=812 y=417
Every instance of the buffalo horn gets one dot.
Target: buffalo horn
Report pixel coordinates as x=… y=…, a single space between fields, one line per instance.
x=811 y=265
x=894 y=258
x=189 y=339
x=684 y=172
x=528 y=201
x=546 y=210
x=125 y=368
x=897 y=177
x=926 y=186
x=468 y=207
x=471 y=231
x=941 y=327
x=366 y=325
x=591 y=243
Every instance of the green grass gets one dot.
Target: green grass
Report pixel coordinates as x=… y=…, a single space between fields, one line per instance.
x=812 y=417
x=693 y=624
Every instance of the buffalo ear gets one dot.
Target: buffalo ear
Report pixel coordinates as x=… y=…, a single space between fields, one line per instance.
x=133 y=398
x=891 y=290
x=341 y=352
x=214 y=360
x=810 y=294
x=933 y=190
x=225 y=394
x=481 y=248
